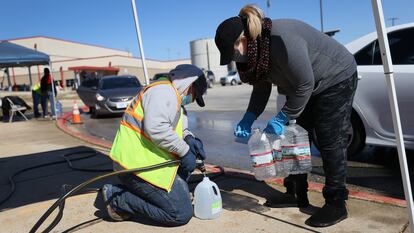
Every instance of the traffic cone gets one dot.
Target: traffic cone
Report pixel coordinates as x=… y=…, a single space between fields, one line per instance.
x=76 y=119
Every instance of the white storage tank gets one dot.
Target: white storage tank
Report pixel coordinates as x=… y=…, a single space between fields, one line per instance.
x=205 y=55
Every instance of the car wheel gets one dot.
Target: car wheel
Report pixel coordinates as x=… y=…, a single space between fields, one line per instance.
x=356 y=136
x=209 y=84
x=95 y=115
x=223 y=84
x=356 y=132
x=233 y=82
x=91 y=110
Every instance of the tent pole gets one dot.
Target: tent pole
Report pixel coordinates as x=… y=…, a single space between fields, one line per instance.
x=141 y=49
x=14 y=77
x=8 y=79
x=30 y=77
x=54 y=116
x=392 y=96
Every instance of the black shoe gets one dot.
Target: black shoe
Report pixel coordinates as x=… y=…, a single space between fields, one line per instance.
x=302 y=200
x=282 y=201
x=301 y=190
x=296 y=193
x=328 y=215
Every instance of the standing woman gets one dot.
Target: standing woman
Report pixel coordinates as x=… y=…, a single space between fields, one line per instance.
x=47 y=93
x=317 y=75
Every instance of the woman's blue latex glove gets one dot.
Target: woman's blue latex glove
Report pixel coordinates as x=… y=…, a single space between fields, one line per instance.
x=276 y=125
x=244 y=127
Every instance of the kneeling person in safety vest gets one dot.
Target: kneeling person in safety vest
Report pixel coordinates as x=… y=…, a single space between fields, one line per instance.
x=154 y=130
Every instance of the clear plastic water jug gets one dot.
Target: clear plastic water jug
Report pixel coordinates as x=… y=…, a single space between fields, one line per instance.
x=58 y=109
x=276 y=144
x=296 y=149
x=207 y=200
x=261 y=155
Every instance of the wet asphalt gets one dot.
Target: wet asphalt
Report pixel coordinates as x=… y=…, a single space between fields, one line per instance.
x=375 y=169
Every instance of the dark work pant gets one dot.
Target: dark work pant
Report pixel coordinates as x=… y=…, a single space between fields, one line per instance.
x=43 y=103
x=329 y=113
x=36 y=101
x=138 y=197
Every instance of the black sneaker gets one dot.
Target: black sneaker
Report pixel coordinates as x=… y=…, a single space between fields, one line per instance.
x=328 y=215
x=117 y=216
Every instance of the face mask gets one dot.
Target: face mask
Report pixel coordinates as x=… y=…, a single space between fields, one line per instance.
x=238 y=57
x=187 y=99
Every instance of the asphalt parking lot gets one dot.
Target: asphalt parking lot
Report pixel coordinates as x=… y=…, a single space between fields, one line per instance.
x=375 y=169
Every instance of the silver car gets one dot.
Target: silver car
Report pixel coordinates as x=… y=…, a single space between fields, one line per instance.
x=232 y=78
x=111 y=96
x=371 y=117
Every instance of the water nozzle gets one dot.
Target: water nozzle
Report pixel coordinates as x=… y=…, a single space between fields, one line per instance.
x=200 y=165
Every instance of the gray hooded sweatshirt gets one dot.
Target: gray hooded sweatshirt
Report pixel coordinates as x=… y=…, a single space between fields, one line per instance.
x=304 y=62
x=160 y=108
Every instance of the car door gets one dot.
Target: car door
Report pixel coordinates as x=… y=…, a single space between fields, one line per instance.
x=87 y=92
x=372 y=93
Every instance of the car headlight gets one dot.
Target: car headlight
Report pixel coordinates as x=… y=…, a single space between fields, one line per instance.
x=99 y=97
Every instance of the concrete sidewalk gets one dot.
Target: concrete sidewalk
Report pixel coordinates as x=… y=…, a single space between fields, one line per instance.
x=38 y=141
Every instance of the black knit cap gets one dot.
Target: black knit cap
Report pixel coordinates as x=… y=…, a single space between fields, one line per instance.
x=227 y=33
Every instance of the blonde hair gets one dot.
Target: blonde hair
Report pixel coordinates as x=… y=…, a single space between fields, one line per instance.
x=255 y=18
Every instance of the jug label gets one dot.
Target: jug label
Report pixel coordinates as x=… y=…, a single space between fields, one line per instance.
x=301 y=150
x=262 y=159
x=216 y=207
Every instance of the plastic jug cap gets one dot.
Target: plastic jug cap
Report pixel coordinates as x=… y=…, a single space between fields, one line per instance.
x=264 y=137
x=256 y=129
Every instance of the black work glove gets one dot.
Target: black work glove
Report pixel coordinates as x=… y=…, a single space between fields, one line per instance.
x=188 y=164
x=196 y=146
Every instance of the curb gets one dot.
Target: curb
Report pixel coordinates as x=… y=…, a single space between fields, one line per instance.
x=62 y=122
x=313 y=186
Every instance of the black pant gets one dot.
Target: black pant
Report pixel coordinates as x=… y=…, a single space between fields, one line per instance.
x=329 y=113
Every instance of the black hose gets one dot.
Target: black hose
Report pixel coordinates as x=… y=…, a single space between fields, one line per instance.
x=79 y=187
x=69 y=162
x=11 y=178
x=61 y=201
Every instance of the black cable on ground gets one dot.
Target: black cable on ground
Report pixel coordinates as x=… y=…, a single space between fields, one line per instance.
x=11 y=178
x=61 y=201
x=81 y=186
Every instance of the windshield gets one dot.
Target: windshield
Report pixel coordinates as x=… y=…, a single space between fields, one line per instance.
x=232 y=72
x=119 y=82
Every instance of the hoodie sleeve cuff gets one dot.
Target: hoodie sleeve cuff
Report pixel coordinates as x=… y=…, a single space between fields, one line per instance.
x=183 y=149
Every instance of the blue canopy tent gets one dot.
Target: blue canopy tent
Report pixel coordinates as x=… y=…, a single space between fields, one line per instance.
x=13 y=55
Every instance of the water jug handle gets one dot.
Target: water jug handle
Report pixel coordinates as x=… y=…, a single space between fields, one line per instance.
x=214 y=190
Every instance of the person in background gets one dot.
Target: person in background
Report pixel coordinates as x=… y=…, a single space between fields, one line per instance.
x=47 y=93
x=37 y=97
x=317 y=75
x=154 y=130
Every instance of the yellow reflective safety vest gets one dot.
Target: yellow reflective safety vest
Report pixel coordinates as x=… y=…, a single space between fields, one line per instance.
x=36 y=88
x=133 y=148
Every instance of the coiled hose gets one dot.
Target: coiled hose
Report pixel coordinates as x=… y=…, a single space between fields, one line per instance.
x=76 y=190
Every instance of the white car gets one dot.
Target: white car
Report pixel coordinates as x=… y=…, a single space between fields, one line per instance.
x=372 y=120
x=371 y=116
x=232 y=78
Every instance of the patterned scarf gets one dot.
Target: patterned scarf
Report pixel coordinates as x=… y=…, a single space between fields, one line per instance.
x=258 y=52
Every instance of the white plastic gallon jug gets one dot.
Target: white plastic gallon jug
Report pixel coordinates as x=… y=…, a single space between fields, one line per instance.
x=207 y=200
